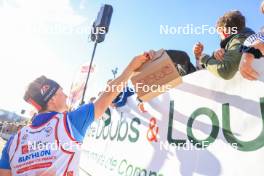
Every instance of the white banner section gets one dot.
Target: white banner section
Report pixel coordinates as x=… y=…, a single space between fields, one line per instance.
x=205 y=126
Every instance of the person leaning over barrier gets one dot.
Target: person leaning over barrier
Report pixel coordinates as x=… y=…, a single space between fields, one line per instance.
x=253 y=49
x=23 y=154
x=225 y=61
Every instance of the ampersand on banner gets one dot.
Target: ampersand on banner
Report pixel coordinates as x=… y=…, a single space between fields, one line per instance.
x=153 y=130
x=141 y=108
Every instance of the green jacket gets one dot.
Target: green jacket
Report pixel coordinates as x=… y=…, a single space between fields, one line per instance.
x=228 y=67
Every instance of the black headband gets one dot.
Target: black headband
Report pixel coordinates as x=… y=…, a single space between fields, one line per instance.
x=46 y=92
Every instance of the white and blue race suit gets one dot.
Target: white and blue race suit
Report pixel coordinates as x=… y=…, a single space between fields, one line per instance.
x=50 y=146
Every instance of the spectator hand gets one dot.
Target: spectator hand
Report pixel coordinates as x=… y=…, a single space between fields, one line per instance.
x=198 y=50
x=246 y=69
x=137 y=62
x=150 y=54
x=219 y=54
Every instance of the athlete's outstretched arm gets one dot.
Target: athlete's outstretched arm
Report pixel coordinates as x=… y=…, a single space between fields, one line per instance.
x=114 y=86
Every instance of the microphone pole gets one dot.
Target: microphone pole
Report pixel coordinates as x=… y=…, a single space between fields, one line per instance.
x=88 y=75
x=102 y=22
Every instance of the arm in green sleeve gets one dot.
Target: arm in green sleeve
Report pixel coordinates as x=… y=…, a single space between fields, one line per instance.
x=228 y=67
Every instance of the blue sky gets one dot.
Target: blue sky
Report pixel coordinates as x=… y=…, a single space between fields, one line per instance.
x=27 y=51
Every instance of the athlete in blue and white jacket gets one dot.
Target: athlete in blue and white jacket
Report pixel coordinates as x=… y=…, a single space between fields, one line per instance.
x=51 y=145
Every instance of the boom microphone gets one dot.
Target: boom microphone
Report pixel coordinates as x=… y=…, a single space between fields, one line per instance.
x=102 y=23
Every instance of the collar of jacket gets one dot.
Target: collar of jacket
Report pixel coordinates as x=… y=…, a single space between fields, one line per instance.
x=225 y=41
